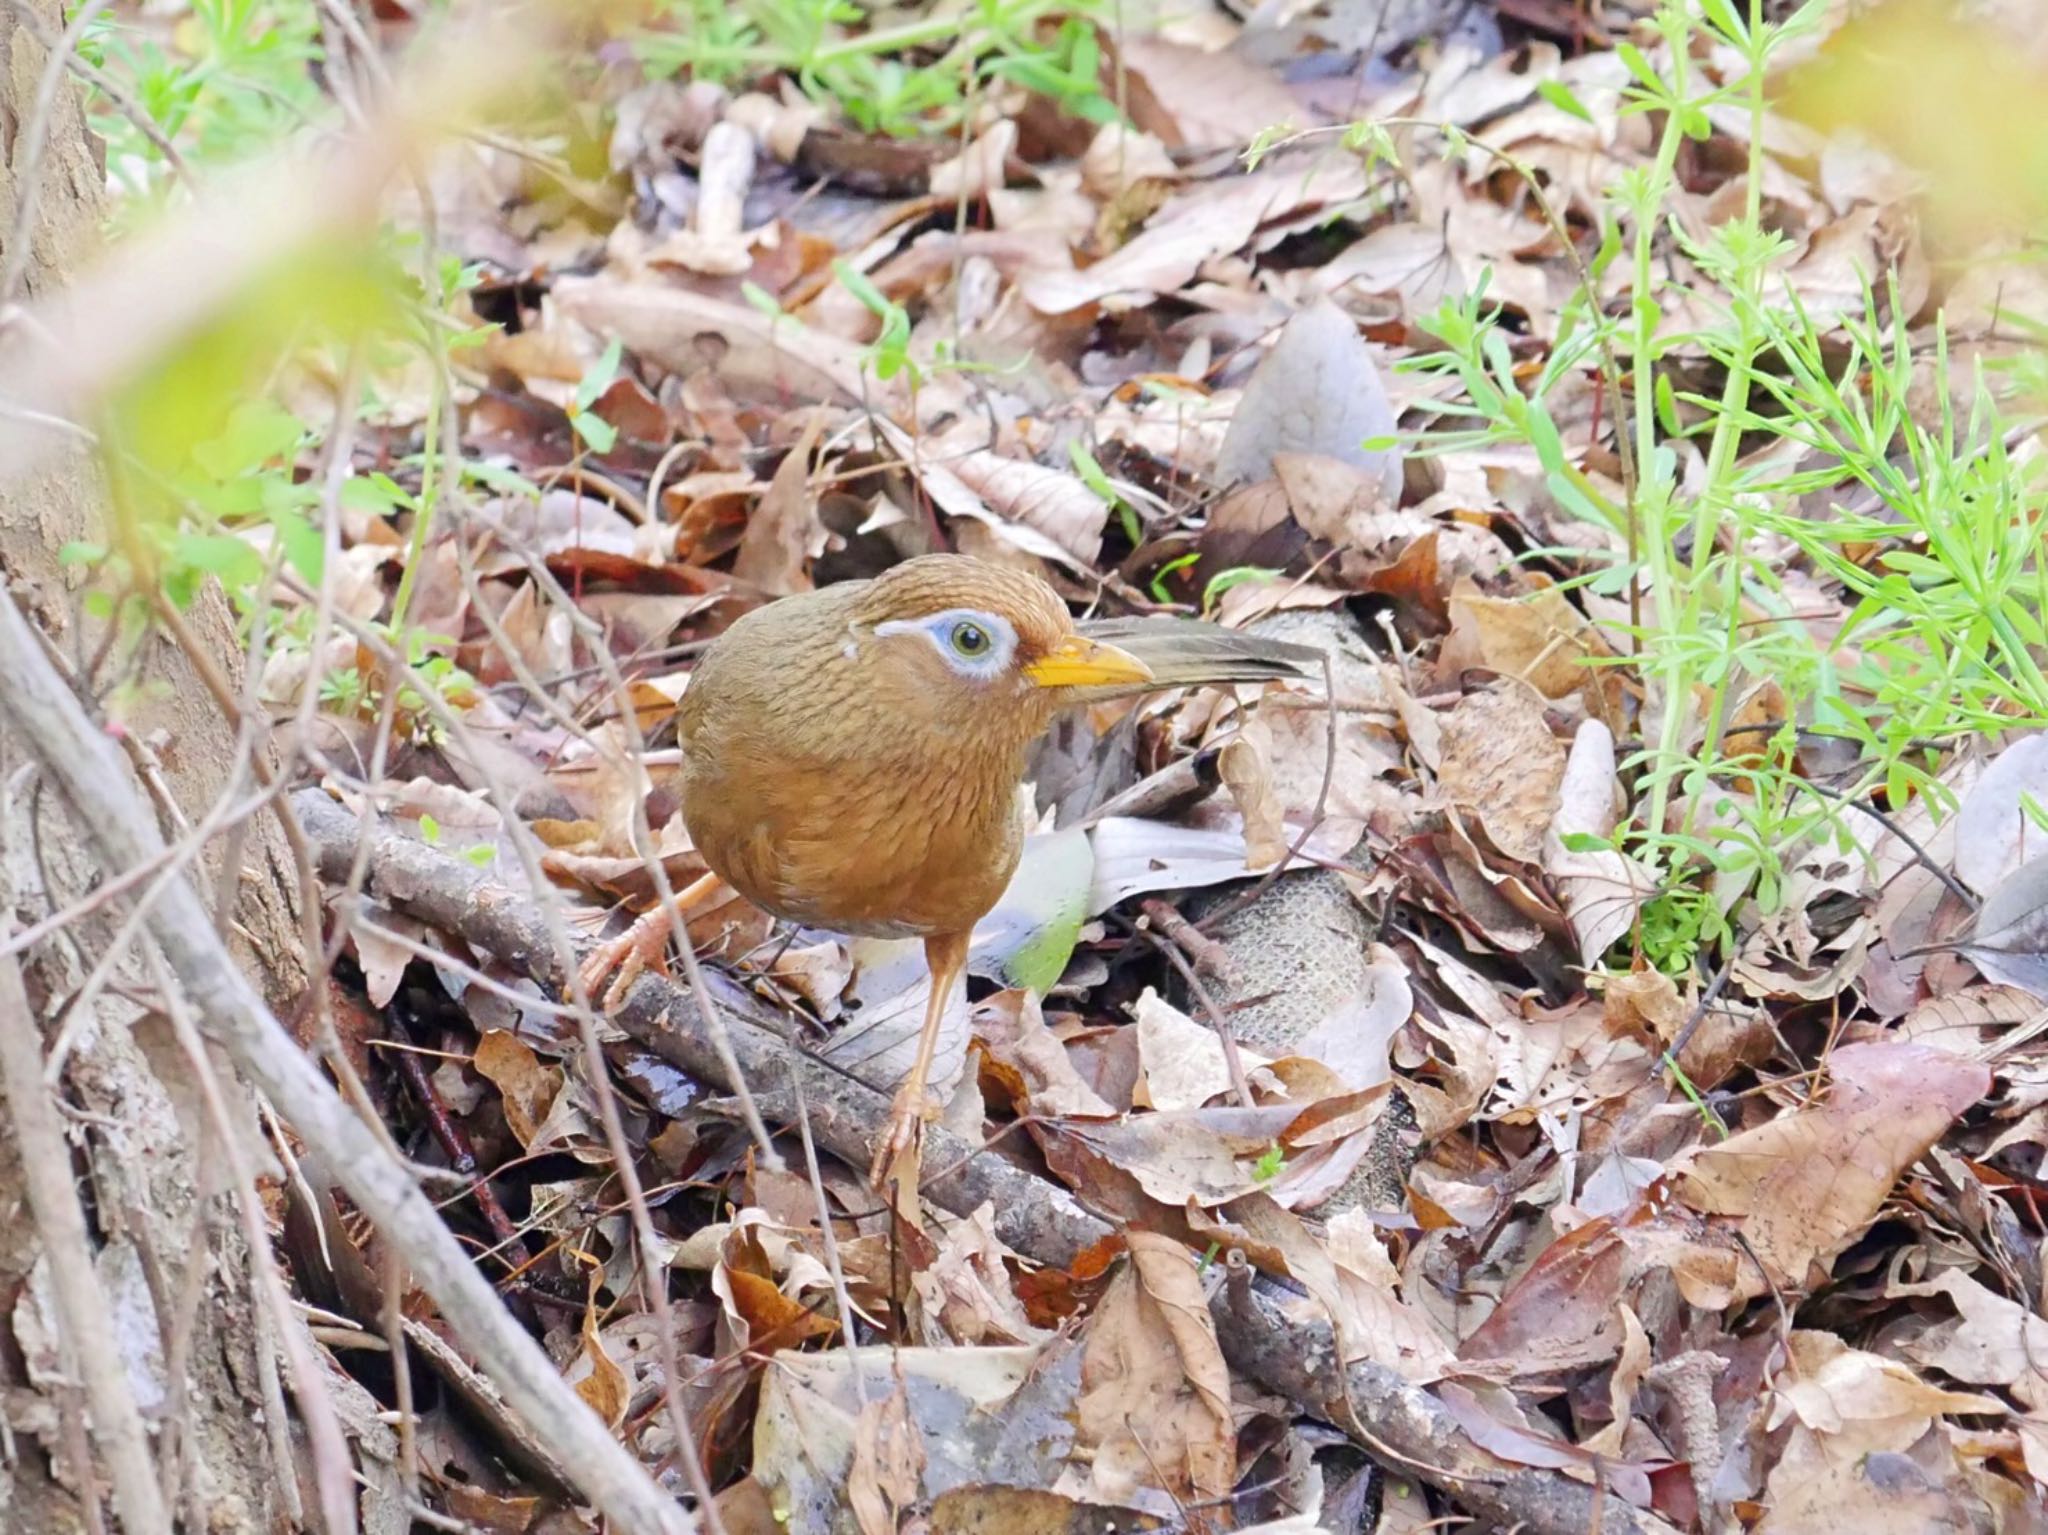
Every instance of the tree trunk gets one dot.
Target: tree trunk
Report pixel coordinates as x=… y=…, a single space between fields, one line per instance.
x=162 y=1226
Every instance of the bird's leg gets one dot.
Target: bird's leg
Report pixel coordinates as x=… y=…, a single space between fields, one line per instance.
x=896 y=1165
x=643 y=944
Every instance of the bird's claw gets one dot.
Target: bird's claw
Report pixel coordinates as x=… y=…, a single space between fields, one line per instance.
x=617 y=963
x=899 y=1154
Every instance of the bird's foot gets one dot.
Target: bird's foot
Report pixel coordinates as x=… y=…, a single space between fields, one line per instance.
x=899 y=1156
x=617 y=963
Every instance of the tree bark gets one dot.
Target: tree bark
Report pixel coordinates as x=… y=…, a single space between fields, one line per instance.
x=161 y=1231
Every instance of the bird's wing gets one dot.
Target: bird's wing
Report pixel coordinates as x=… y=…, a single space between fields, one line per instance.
x=1185 y=652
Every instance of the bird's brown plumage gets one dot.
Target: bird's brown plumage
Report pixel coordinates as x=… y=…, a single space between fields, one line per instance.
x=849 y=765
x=850 y=780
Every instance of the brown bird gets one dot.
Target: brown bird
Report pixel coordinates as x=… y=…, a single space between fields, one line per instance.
x=851 y=759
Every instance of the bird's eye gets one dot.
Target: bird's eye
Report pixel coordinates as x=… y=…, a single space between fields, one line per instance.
x=969 y=640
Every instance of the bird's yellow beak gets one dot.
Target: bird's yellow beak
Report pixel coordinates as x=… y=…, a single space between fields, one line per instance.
x=1079 y=662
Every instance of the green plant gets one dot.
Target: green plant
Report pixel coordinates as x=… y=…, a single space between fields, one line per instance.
x=919 y=76
x=223 y=80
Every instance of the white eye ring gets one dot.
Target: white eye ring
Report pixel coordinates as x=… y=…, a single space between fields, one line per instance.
x=972 y=643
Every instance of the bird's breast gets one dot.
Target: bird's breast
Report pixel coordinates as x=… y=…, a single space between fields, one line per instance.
x=886 y=845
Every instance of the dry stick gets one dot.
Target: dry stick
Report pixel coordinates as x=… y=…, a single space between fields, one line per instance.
x=1297 y=1356
x=89 y=770
x=333 y=1472
x=82 y=1305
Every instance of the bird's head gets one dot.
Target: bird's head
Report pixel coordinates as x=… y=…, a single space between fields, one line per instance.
x=973 y=640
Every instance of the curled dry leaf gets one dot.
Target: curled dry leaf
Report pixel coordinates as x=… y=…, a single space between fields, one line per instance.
x=1032 y=1064
x=966 y=1292
x=1994 y=835
x=1155 y=1393
x=1806 y=1184
x=1864 y=1402
x=783 y=534
x=597 y=1376
x=1541 y=638
x=1602 y=888
x=528 y=1088
x=1243 y=768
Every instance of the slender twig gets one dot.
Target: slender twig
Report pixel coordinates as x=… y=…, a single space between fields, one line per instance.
x=82 y=1304
x=88 y=769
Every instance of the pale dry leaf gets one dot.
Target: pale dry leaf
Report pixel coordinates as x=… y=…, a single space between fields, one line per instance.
x=714 y=243
x=1864 y=1402
x=1818 y=1489
x=1602 y=889
x=375 y=931
x=1993 y=833
x=1353 y=1041
x=1807 y=1183
x=1118 y=158
x=1049 y=502
x=1243 y=767
x=2008 y=938
x=1207 y=1156
x=776 y=358
x=966 y=1291
x=1991 y=1341
x=1011 y=1027
x=888 y=1463
x=1317 y=391
x=1181 y=1064
x=1201 y=98
x=1963 y=1022
x=979 y=168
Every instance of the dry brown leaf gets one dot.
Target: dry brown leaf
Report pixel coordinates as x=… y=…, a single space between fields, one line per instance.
x=1501 y=762
x=1201 y=98
x=597 y=1377
x=783 y=534
x=1031 y=1062
x=966 y=1292
x=1155 y=1393
x=1201 y=223
x=1808 y=1182
x=1541 y=639
x=529 y=1089
x=888 y=1463
x=1243 y=766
